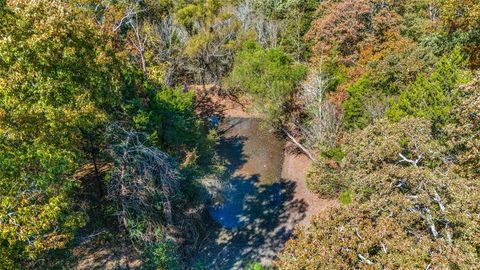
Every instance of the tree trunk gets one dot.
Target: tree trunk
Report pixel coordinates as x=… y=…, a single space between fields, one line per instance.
x=305 y=150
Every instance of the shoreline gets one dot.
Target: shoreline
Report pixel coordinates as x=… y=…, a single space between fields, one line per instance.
x=295 y=164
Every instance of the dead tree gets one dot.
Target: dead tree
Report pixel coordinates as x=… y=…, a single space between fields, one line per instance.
x=324 y=122
x=142 y=184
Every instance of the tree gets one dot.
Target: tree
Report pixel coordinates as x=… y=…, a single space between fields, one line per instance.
x=408 y=209
x=355 y=114
x=286 y=20
x=322 y=118
x=393 y=68
x=461 y=21
x=351 y=25
x=211 y=47
x=269 y=76
x=464 y=130
x=463 y=15
x=56 y=86
x=168 y=116
x=431 y=96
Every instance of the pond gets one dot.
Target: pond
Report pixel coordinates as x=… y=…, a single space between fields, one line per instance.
x=254 y=159
x=259 y=212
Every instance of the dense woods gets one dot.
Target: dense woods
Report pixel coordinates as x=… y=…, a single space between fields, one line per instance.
x=105 y=140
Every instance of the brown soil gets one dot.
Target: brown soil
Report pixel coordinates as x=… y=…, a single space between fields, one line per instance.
x=295 y=164
x=101 y=256
x=271 y=211
x=210 y=102
x=295 y=168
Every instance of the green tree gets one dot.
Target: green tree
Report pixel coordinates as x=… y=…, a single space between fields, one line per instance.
x=56 y=87
x=364 y=104
x=168 y=116
x=431 y=96
x=270 y=77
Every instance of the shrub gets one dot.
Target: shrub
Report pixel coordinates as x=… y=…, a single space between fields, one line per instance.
x=326 y=179
x=161 y=256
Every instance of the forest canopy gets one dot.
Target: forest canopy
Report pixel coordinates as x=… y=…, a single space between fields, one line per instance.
x=106 y=138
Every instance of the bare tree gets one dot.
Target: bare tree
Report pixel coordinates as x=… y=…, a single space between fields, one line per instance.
x=166 y=42
x=244 y=12
x=142 y=177
x=139 y=41
x=267 y=30
x=324 y=119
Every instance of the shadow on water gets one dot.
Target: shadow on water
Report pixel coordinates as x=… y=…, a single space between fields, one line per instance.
x=231 y=150
x=258 y=215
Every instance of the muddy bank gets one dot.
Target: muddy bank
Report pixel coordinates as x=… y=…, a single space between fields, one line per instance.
x=267 y=198
x=295 y=168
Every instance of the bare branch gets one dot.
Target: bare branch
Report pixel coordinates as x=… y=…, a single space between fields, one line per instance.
x=141 y=177
x=365 y=260
x=413 y=162
x=305 y=150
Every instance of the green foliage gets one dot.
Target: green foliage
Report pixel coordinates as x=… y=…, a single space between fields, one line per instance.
x=56 y=85
x=169 y=118
x=198 y=11
x=334 y=153
x=345 y=197
x=395 y=210
x=398 y=65
x=334 y=70
x=431 y=96
x=408 y=200
x=269 y=76
x=256 y=266
x=160 y=255
x=364 y=104
x=35 y=203
x=355 y=114
x=295 y=16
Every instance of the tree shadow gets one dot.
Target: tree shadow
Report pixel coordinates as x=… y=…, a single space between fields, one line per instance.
x=253 y=224
x=255 y=220
x=231 y=151
x=207 y=107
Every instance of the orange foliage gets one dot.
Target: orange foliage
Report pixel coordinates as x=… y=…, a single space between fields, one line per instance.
x=351 y=25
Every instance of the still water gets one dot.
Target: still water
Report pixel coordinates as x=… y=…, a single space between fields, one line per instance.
x=254 y=158
x=259 y=212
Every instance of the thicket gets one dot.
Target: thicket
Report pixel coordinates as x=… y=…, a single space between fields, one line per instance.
x=98 y=123
x=89 y=137
x=405 y=177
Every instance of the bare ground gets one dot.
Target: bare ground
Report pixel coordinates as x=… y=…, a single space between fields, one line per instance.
x=272 y=212
x=295 y=168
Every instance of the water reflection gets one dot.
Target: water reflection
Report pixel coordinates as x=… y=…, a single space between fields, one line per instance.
x=230 y=213
x=259 y=211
